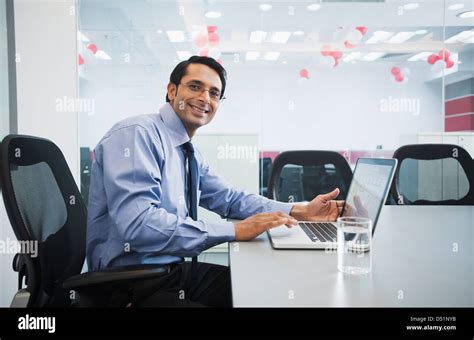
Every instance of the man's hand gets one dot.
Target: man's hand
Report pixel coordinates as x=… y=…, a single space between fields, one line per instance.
x=321 y=208
x=253 y=226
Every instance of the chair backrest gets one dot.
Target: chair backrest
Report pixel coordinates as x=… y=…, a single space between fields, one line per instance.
x=433 y=174
x=302 y=175
x=46 y=211
x=265 y=166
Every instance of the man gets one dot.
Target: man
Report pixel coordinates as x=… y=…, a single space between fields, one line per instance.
x=141 y=203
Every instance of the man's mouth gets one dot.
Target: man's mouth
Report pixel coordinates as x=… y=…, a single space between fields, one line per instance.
x=200 y=110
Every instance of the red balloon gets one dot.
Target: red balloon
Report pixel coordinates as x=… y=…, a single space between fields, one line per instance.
x=81 y=60
x=92 y=48
x=213 y=39
x=449 y=63
x=433 y=58
x=395 y=70
x=211 y=29
x=304 y=73
x=362 y=29
x=399 y=77
x=336 y=54
x=444 y=54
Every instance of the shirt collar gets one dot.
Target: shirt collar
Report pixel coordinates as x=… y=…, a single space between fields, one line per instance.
x=175 y=126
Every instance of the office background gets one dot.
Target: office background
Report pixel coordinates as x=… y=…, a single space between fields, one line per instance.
x=80 y=66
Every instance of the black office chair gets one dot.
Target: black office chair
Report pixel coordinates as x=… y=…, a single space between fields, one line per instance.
x=433 y=174
x=302 y=175
x=265 y=167
x=44 y=206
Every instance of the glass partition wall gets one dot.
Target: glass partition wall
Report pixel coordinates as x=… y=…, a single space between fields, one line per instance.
x=360 y=78
x=4 y=93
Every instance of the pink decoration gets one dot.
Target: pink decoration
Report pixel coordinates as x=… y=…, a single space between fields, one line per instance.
x=399 y=77
x=304 y=73
x=92 y=48
x=211 y=29
x=213 y=39
x=80 y=60
x=395 y=70
x=327 y=51
x=433 y=59
x=336 y=54
x=362 y=29
x=444 y=54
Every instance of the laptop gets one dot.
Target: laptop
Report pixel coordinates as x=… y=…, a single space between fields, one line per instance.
x=367 y=194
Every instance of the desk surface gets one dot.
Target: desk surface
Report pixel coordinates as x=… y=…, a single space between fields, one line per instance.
x=423 y=256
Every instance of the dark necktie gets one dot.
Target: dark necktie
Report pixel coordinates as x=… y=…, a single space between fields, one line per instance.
x=193 y=177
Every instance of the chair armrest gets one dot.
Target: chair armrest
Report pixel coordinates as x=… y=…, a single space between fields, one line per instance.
x=116 y=276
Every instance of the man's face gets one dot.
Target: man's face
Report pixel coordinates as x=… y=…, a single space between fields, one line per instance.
x=194 y=106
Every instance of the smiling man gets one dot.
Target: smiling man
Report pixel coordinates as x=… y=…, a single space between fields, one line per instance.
x=147 y=180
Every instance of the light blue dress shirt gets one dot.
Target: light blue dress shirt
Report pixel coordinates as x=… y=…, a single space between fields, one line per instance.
x=137 y=211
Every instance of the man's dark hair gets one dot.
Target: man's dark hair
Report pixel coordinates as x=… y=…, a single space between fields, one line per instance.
x=180 y=71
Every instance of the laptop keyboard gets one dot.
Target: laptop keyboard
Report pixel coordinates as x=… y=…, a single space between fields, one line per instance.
x=320 y=231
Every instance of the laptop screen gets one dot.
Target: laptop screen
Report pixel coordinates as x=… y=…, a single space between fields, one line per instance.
x=369 y=188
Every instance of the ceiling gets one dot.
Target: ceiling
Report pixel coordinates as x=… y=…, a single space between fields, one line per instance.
x=134 y=31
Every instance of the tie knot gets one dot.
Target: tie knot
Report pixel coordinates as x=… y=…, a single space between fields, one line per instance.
x=188 y=147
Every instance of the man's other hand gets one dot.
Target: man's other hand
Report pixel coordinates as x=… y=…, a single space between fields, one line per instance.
x=321 y=208
x=253 y=226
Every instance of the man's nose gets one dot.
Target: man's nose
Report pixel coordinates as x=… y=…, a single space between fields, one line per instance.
x=205 y=96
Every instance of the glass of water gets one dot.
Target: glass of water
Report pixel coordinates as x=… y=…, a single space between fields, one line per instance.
x=354 y=242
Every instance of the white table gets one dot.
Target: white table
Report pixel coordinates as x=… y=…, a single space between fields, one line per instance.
x=422 y=257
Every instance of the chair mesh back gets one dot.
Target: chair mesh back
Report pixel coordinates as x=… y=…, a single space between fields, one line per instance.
x=32 y=184
x=302 y=175
x=303 y=183
x=433 y=174
x=432 y=180
x=44 y=205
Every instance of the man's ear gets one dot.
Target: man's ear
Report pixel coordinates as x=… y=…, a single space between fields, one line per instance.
x=171 y=91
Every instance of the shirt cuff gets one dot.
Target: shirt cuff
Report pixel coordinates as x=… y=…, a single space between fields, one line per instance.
x=219 y=232
x=281 y=206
